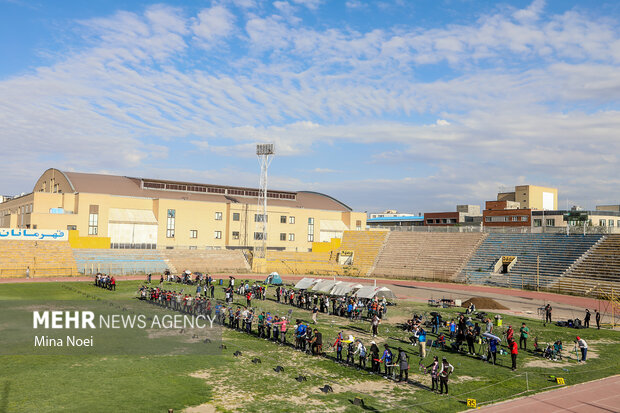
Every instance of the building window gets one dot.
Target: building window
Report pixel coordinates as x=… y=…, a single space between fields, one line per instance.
x=429 y=221
x=550 y=223
x=93 y=224
x=283 y=236
x=193 y=233
x=515 y=218
x=602 y=222
x=611 y=222
x=170 y=223
x=291 y=220
x=93 y=219
x=291 y=237
x=218 y=216
x=217 y=235
x=282 y=219
x=235 y=235
x=358 y=225
x=260 y=218
x=310 y=229
x=538 y=222
x=524 y=218
x=236 y=216
x=258 y=236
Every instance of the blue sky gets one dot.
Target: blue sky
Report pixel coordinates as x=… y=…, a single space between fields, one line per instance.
x=412 y=105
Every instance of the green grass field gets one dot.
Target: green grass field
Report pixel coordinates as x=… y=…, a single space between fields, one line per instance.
x=228 y=383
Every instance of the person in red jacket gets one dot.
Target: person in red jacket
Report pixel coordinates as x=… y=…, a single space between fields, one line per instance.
x=113 y=283
x=510 y=334
x=514 y=350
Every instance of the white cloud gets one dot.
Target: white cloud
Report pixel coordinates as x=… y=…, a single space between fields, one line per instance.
x=528 y=95
x=213 y=23
x=311 y=4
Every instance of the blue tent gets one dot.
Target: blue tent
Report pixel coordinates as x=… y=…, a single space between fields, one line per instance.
x=274 y=279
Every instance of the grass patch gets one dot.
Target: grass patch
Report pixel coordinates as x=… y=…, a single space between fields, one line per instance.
x=157 y=383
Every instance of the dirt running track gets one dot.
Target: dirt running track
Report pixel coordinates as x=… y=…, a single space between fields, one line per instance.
x=519 y=302
x=599 y=396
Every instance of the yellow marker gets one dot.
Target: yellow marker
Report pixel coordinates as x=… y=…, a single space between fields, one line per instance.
x=559 y=380
x=471 y=403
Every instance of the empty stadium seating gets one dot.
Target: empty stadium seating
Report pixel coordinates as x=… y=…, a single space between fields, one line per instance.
x=556 y=252
x=205 y=260
x=425 y=254
x=45 y=258
x=366 y=246
x=302 y=262
x=118 y=261
x=602 y=262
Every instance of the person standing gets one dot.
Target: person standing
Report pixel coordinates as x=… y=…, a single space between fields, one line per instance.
x=403 y=365
x=597 y=317
x=212 y=289
x=362 y=354
x=524 y=330
x=434 y=372
x=583 y=346
x=422 y=342
x=444 y=375
x=375 y=325
x=514 y=351
x=548 y=310
x=27 y=272
x=387 y=360
x=586 y=319
x=492 y=350
x=469 y=337
x=315 y=312
x=374 y=353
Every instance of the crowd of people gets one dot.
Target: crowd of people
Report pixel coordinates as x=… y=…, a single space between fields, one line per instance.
x=349 y=306
x=105 y=281
x=463 y=332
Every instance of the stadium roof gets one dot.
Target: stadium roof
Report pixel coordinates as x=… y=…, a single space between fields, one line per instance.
x=77 y=182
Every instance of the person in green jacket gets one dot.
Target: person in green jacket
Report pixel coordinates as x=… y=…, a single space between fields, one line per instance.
x=523 y=338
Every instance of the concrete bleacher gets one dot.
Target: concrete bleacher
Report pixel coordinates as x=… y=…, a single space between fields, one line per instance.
x=285 y=262
x=429 y=255
x=45 y=259
x=119 y=261
x=179 y=260
x=601 y=263
x=556 y=253
x=366 y=246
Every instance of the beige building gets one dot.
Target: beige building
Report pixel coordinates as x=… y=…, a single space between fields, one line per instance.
x=153 y=213
x=532 y=197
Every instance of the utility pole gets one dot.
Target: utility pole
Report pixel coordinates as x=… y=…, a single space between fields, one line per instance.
x=537 y=272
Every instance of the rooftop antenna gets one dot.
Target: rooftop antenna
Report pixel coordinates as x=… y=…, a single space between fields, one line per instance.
x=265 y=153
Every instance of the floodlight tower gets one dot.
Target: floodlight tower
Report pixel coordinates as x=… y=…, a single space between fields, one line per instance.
x=265 y=153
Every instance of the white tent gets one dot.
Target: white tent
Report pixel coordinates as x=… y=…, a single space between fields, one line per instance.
x=344 y=288
x=370 y=292
x=324 y=286
x=306 y=283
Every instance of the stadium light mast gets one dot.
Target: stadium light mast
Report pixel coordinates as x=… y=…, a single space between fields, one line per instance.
x=265 y=153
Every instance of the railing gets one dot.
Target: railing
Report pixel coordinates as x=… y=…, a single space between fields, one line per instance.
x=572 y=230
x=560 y=285
x=37 y=272
x=122 y=268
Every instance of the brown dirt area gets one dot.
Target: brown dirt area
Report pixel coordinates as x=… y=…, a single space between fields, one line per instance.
x=484 y=303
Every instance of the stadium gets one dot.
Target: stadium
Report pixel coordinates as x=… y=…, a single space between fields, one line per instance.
x=433 y=224
x=181 y=246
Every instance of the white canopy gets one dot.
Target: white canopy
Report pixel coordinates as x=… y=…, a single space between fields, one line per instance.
x=370 y=292
x=324 y=286
x=306 y=283
x=344 y=288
